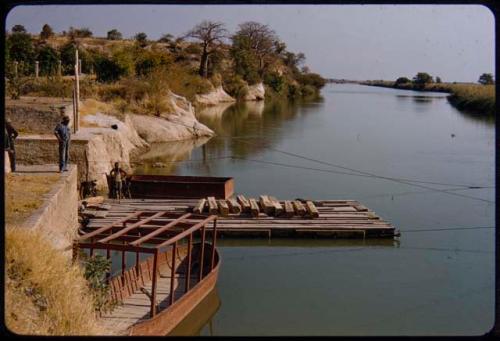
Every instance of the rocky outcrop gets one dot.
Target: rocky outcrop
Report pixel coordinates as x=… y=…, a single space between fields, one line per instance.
x=255 y=92
x=214 y=97
x=174 y=127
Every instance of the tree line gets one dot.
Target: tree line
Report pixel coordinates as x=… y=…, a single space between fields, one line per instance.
x=252 y=54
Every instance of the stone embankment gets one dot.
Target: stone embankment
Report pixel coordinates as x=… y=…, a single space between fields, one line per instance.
x=214 y=97
x=97 y=145
x=255 y=92
x=57 y=218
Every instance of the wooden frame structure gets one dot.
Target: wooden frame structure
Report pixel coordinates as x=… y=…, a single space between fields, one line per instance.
x=149 y=232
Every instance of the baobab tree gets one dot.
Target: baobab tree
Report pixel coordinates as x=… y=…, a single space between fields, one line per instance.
x=212 y=35
x=260 y=39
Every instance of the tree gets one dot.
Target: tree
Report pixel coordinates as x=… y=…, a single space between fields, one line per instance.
x=402 y=80
x=438 y=80
x=141 y=38
x=84 y=32
x=166 y=38
x=48 y=59
x=421 y=79
x=114 y=34
x=47 y=32
x=260 y=39
x=486 y=79
x=211 y=34
x=18 y=29
x=21 y=50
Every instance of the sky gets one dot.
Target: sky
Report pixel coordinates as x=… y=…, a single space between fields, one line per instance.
x=454 y=42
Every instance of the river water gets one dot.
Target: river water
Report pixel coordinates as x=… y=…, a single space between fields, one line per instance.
x=424 y=283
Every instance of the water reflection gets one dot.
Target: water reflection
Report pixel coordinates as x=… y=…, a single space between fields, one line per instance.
x=162 y=158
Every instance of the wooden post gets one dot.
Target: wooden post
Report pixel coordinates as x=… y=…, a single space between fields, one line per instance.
x=77 y=92
x=16 y=63
x=124 y=261
x=137 y=259
x=79 y=66
x=214 y=238
x=36 y=69
x=188 y=272
x=153 y=288
x=74 y=108
x=108 y=256
x=91 y=249
x=172 y=274
x=202 y=230
x=59 y=67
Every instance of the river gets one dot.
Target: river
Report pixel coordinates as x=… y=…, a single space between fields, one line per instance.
x=409 y=156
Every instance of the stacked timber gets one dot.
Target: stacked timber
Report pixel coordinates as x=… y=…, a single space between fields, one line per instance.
x=265 y=205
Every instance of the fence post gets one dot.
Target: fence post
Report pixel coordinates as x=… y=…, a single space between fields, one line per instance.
x=77 y=93
x=59 y=67
x=36 y=69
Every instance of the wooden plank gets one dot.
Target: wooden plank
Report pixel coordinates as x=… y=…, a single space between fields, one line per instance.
x=278 y=209
x=245 y=204
x=300 y=210
x=110 y=226
x=254 y=208
x=200 y=206
x=234 y=207
x=212 y=205
x=266 y=204
x=311 y=209
x=289 y=211
x=131 y=227
x=223 y=208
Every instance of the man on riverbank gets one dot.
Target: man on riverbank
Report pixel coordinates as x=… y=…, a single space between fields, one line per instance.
x=10 y=137
x=117 y=176
x=63 y=134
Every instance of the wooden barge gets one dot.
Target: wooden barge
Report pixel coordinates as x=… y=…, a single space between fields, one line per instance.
x=173 y=186
x=335 y=219
x=154 y=295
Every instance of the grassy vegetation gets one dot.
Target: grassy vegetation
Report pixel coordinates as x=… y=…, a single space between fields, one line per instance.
x=476 y=98
x=24 y=194
x=138 y=74
x=44 y=293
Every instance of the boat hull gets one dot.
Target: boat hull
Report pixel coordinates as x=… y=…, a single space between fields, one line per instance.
x=182 y=187
x=166 y=320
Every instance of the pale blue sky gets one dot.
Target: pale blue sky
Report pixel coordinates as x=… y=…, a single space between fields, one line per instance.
x=340 y=41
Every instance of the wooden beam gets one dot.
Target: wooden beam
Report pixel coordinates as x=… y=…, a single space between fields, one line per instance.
x=254 y=208
x=234 y=207
x=193 y=228
x=278 y=209
x=160 y=230
x=300 y=210
x=223 y=208
x=266 y=204
x=153 y=286
x=131 y=227
x=200 y=206
x=289 y=211
x=311 y=209
x=110 y=226
x=212 y=205
x=245 y=204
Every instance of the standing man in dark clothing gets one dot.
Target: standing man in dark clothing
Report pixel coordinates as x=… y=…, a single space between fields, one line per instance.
x=63 y=134
x=10 y=137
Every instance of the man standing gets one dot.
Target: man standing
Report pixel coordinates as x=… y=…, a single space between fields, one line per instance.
x=117 y=176
x=63 y=135
x=10 y=137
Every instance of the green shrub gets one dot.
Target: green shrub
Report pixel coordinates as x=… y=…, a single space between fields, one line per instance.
x=235 y=86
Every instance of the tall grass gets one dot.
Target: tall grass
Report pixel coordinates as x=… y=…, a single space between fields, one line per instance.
x=475 y=98
x=44 y=293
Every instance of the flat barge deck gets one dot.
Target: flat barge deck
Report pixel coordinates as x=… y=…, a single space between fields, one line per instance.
x=336 y=219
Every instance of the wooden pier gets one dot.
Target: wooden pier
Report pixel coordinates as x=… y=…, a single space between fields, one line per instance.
x=319 y=219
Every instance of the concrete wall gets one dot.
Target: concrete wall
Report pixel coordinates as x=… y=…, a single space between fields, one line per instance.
x=58 y=216
x=43 y=149
x=37 y=120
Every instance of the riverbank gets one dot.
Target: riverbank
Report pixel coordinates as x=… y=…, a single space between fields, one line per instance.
x=474 y=98
x=44 y=293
